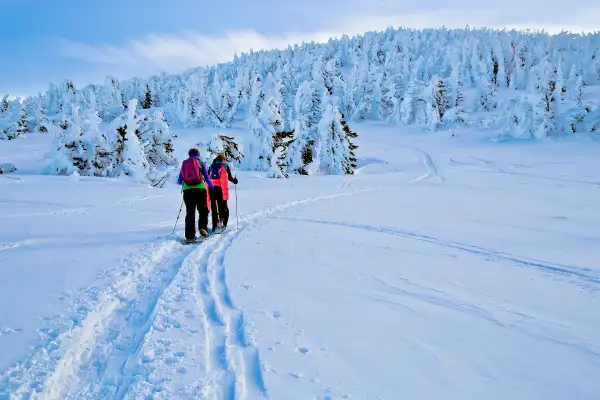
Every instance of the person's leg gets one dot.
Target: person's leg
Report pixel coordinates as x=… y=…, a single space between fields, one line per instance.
x=213 y=208
x=190 y=213
x=218 y=211
x=224 y=211
x=203 y=212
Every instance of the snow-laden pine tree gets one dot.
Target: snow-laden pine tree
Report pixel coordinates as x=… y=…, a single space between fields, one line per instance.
x=455 y=90
x=147 y=102
x=547 y=107
x=281 y=144
x=70 y=147
x=362 y=90
x=157 y=141
x=389 y=95
x=545 y=120
x=221 y=144
x=260 y=143
x=13 y=119
x=591 y=122
x=335 y=143
x=518 y=118
x=7 y=122
x=574 y=86
x=97 y=145
x=438 y=101
x=218 y=102
x=413 y=109
x=42 y=122
x=81 y=146
x=4 y=119
x=485 y=98
x=128 y=154
x=302 y=151
x=284 y=94
x=110 y=100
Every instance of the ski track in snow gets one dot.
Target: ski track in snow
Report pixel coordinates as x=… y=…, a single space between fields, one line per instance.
x=136 y=199
x=494 y=314
x=119 y=341
x=14 y=245
x=105 y=320
x=581 y=273
x=61 y=212
x=491 y=167
x=67 y=211
x=9 y=179
x=430 y=166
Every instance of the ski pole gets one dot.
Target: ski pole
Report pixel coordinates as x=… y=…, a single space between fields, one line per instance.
x=180 y=208
x=236 y=207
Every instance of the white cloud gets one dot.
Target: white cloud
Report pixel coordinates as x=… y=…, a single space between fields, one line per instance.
x=173 y=53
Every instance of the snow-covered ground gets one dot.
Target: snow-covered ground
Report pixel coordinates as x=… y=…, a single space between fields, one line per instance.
x=447 y=267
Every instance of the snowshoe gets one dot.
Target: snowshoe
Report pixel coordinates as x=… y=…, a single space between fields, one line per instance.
x=218 y=230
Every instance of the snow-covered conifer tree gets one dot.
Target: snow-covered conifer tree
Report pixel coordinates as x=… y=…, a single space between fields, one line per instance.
x=128 y=154
x=335 y=142
x=263 y=128
x=438 y=101
x=221 y=143
x=157 y=141
x=71 y=150
x=147 y=102
x=110 y=100
x=302 y=152
x=413 y=109
x=13 y=119
x=518 y=118
x=485 y=99
x=97 y=144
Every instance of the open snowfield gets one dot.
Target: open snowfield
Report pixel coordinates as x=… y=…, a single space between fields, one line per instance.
x=447 y=267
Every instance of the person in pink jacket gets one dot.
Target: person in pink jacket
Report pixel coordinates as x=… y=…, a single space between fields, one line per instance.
x=220 y=175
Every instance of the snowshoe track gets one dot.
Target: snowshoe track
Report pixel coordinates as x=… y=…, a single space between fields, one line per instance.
x=165 y=312
x=582 y=275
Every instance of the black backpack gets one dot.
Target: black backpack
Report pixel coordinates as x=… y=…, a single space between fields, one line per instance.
x=215 y=170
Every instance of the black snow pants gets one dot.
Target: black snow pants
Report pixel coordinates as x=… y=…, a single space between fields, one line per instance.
x=218 y=207
x=195 y=199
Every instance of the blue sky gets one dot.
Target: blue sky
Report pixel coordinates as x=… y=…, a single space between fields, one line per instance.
x=45 y=41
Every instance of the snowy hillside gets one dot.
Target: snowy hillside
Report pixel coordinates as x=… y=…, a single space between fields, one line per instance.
x=446 y=267
x=301 y=104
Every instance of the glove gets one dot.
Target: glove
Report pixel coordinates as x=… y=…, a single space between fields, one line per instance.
x=235 y=181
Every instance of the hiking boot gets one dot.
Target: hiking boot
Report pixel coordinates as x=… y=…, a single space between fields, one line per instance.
x=203 y=232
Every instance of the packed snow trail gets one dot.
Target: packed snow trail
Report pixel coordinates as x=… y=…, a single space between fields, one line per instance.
x=106 y=320
x=229 y=360
x=122 y=342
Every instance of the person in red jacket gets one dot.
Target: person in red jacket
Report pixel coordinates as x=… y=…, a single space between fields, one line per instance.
x=220 y=175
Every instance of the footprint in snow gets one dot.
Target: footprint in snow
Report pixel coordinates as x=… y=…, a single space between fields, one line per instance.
x=276 y=314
